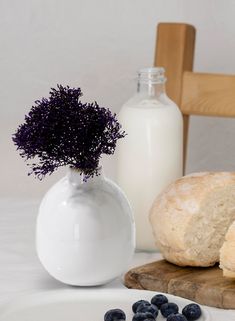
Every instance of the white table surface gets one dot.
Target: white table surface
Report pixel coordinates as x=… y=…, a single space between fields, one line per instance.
x=20 y=270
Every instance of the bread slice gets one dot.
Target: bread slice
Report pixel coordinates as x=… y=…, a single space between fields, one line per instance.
x=191 y=217
x=227 y=253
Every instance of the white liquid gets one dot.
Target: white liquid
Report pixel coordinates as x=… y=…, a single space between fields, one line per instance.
x=149 y=158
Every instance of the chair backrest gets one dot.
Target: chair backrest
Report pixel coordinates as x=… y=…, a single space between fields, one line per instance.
x=195 y=93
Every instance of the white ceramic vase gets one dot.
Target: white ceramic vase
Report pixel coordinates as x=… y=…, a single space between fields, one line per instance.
x=85 y=230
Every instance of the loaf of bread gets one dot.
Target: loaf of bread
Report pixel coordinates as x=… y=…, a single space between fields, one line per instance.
x=227 y=253
x=191 y=217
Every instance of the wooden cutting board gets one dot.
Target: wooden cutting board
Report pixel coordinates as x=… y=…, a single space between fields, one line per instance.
x=203 y=285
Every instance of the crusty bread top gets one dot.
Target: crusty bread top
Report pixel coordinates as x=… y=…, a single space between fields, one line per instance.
x=174 y=208
x=188 y=191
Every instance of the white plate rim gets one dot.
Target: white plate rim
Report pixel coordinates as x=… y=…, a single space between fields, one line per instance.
x=84 y=294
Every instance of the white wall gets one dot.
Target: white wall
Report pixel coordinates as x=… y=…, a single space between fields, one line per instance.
x=99 y=45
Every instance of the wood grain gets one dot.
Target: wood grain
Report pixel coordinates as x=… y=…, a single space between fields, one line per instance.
x=175 y=52
x=203 y=285
x=208 y=94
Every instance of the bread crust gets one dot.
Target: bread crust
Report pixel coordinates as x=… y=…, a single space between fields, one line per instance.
x=177 y=207
x=227 y=253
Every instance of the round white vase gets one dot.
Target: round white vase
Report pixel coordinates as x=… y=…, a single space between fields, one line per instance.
x=85 y=230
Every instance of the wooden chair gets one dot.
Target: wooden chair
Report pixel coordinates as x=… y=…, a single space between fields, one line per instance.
x=195 y=93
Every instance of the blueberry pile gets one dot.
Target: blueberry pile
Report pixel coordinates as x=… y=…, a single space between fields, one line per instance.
x=148 y=311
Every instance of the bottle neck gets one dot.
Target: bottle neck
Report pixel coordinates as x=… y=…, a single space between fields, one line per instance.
x=150 y=89
x=151 y=82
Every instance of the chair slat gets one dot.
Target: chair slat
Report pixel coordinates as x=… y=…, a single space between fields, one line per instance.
x=175 y=51
x=208 y=94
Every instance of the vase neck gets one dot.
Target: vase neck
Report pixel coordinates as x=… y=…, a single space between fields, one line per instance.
x=77 y=178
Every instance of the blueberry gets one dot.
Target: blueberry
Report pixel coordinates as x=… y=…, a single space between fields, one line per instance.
x=169 y=308
x=192 y=311
x=143 y=316
x=114 y=315
x=159 y=299
x=176 y=317
x=143 y=307
x=136 y=304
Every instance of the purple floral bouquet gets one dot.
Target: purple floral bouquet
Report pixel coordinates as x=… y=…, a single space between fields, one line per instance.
x=61 y=130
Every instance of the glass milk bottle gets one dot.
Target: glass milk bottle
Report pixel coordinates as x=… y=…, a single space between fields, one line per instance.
x=151 y=155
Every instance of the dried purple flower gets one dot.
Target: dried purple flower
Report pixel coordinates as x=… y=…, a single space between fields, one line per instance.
x=61 y=130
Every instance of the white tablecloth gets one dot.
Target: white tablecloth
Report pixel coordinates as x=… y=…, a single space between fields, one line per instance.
x=20 y=270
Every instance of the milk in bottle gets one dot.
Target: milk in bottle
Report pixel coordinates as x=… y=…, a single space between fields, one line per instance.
x=150 y=156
